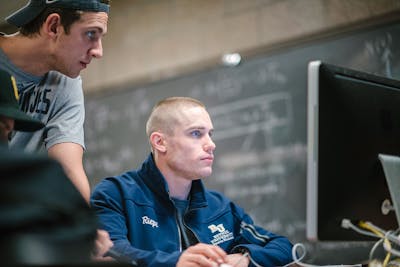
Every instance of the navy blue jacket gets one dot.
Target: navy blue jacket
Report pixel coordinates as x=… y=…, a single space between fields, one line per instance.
x=136 y=210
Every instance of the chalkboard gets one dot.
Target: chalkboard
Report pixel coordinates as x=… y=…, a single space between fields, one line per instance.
x=259 y=114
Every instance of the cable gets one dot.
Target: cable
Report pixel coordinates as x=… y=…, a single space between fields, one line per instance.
x=390 y=250
x=373 y=228
x=384 y=237
x=391 y=235
x=380 y=232
x=371 y=253
x=346 y=223
x=387 y=246
x=297 y=260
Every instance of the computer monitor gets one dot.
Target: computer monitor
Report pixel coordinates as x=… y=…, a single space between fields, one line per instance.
x=353 y=116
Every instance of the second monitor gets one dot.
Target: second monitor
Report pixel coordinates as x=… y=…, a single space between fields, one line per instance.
x=352 y=117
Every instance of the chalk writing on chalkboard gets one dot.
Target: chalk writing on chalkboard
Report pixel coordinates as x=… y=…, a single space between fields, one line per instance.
x=247 y=116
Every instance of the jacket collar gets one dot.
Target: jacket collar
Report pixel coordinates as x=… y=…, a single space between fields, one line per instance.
x=154 y=179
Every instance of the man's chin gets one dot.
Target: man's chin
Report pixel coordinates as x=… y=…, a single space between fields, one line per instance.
x=72 y=76
x=71 y=73
x=206 y=173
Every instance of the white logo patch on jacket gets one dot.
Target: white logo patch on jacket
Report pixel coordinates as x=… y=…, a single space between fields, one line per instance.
x=213 y=228
x=147 y=220
x=223 y=235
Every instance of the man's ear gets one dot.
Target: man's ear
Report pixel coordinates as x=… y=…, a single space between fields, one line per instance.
x=52 y=24
x=158 y=142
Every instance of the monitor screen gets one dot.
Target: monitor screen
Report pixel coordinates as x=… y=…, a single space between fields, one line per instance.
x=352 y=117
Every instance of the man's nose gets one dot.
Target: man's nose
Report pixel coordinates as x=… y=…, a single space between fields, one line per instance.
x=97 y=50
x=209 y=145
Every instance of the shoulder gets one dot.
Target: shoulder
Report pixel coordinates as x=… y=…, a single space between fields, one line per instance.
x=59 y=78
x=124 y=184
x=125 y=188
x=215 y=196
x=64 y=85
x=216 y=200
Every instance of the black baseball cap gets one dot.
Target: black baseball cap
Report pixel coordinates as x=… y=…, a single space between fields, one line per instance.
x=9 y=105
x=29 y=12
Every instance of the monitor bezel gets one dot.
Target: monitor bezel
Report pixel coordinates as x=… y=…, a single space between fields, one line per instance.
x=314 y=68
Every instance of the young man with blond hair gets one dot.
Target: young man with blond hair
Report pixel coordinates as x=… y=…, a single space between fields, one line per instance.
x=162 y=215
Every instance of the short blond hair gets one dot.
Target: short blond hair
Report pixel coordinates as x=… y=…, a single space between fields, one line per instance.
x=165 y=114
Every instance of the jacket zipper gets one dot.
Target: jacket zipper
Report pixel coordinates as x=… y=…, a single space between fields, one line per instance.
x=184 y=223
x=179 y=231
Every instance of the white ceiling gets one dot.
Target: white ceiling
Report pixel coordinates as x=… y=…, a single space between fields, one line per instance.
x=8 y=6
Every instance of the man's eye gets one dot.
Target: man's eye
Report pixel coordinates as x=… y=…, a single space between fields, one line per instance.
x=91 y=34
x=196 y=133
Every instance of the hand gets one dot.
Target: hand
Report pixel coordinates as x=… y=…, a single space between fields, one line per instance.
x=238 y=260
x=203 y=255
x=102 y=245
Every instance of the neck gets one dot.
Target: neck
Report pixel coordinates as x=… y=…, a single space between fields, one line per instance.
x=27 y=53
x=179 y=188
